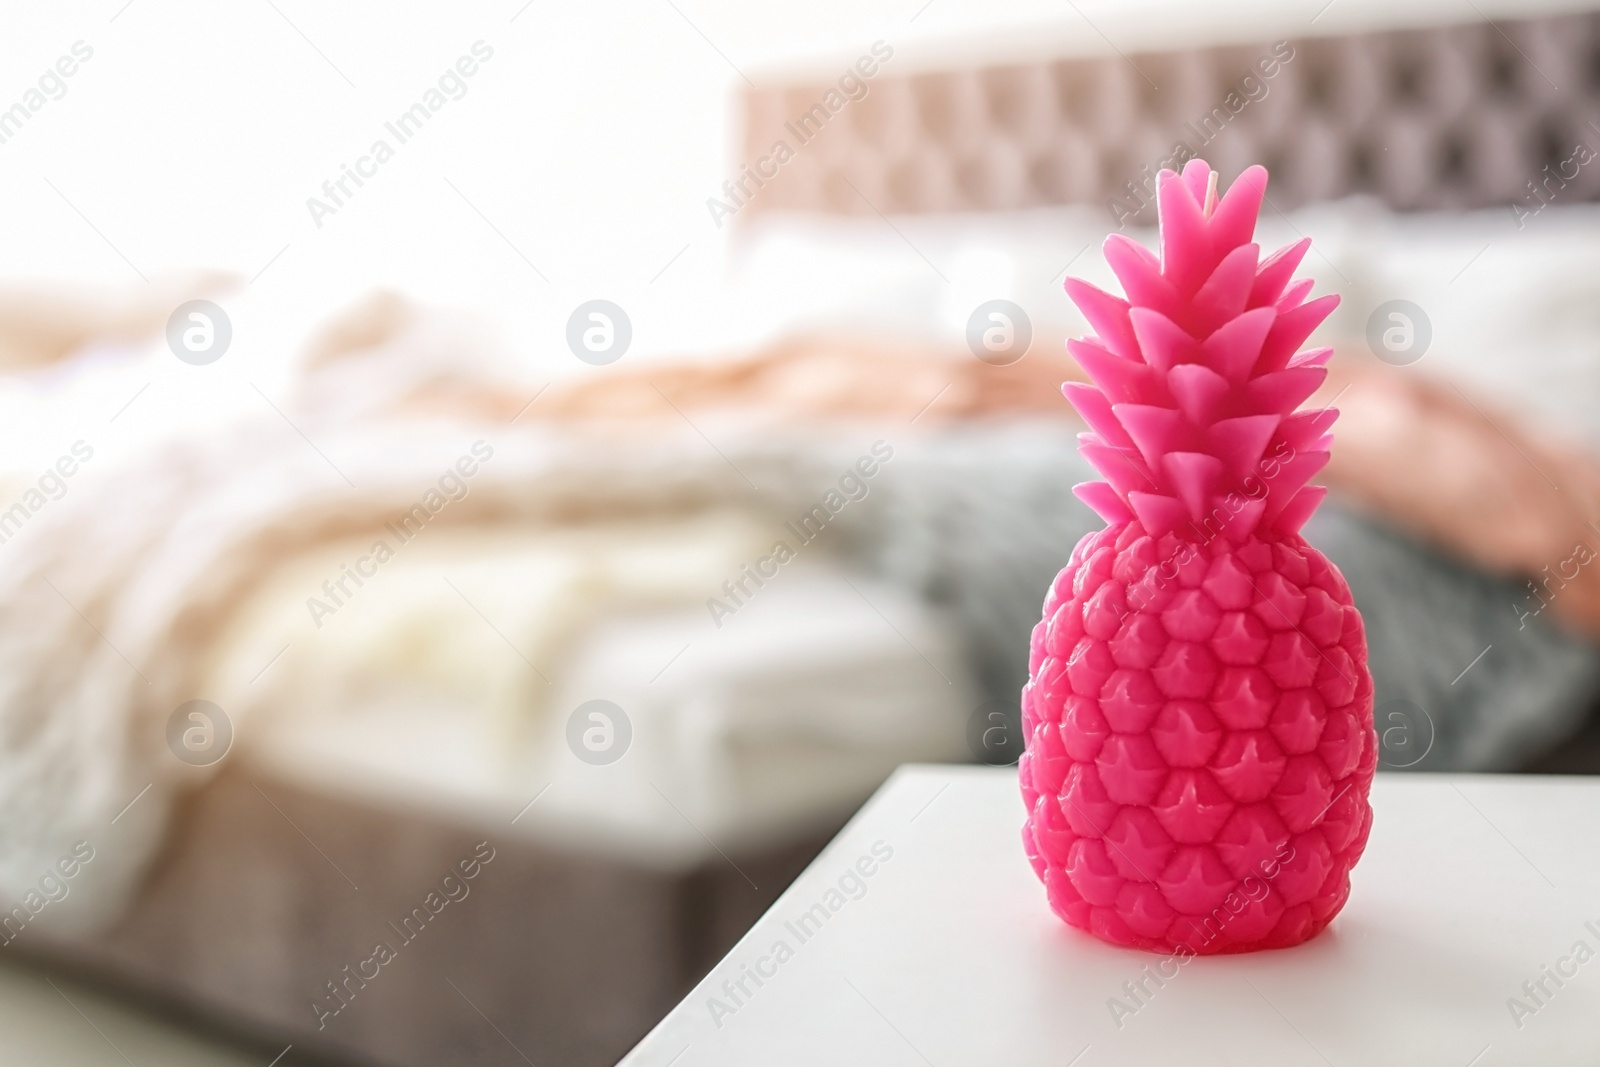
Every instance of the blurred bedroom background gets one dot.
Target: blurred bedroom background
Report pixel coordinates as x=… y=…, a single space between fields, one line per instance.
x=489 y=489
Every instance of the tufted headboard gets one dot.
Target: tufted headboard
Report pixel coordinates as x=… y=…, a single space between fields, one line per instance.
x=1461 y=116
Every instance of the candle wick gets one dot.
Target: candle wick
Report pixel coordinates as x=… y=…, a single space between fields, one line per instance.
x=1211 y=194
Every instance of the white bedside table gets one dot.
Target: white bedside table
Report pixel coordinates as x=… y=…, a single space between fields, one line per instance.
x=946 y=953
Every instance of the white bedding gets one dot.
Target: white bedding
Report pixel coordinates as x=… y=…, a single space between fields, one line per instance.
x=452 y=677
x=1513 y=310
x=190 y=565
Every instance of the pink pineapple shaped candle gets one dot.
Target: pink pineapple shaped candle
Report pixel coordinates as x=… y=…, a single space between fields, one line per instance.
x=1198 y=714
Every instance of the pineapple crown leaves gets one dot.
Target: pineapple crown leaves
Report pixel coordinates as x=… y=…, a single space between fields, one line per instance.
x=1197 y=374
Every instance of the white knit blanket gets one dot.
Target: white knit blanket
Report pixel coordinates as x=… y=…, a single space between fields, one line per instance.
x=109 y=597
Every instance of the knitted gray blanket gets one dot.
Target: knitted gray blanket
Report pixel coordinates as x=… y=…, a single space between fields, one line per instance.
x=981 y=519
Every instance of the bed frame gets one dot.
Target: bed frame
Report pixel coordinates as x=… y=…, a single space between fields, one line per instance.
x=1445 y=117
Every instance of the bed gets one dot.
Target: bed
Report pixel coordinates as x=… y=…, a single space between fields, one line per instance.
x=428 y=723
